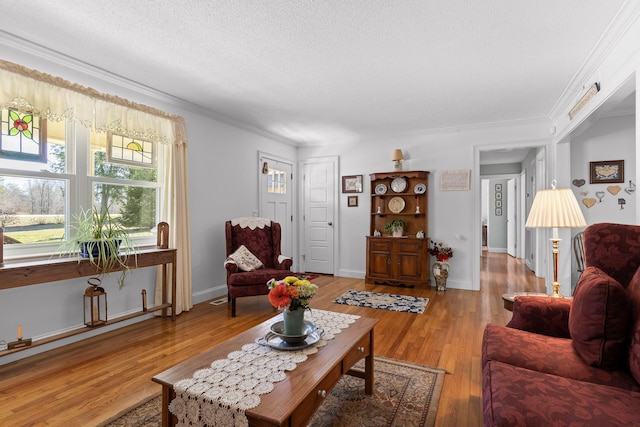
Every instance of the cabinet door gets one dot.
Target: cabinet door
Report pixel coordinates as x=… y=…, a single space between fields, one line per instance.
x=410 y=261
x=379 y=265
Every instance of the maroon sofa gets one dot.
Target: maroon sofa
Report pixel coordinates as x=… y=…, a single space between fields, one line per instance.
x=572 y=362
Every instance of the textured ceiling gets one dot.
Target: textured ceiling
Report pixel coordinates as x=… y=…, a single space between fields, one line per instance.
x=333 y=71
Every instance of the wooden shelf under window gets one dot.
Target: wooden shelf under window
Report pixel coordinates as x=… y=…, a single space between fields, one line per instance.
x=26 y=273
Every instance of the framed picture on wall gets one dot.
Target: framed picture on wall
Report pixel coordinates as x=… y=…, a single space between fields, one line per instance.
x=498 y=187
x=498 y=203
x=606 y=172
x=499 y=196
x=352 y=201
x=352 y=184
x=498 y=211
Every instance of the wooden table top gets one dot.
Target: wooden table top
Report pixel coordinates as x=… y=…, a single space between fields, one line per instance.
x=287 y=395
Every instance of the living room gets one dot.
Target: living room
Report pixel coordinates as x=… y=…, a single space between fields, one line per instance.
x=223 y=163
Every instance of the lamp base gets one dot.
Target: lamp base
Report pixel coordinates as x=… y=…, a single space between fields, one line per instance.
x=556 y=291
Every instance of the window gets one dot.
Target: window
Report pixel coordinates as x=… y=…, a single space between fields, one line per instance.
x=276 y=181
x=81 y=168
x=21 y=136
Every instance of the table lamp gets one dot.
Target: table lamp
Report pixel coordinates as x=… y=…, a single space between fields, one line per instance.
x=397 y=159
x=555 y=208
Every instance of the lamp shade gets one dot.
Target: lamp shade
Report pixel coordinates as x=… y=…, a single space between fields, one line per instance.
x=555 y=208
x=397 y=155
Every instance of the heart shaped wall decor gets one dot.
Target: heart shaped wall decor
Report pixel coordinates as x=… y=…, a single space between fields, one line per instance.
x=578 y=182
x=600 y=195
x=589 y=202
x=614 y=189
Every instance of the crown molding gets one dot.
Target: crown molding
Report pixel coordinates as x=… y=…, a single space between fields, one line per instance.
x=619 y=26
x=40 y=53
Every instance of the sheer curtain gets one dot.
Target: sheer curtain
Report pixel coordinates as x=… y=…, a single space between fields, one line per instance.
x=54 y=98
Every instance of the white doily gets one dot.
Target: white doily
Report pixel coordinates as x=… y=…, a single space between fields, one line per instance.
x=220 y=395
x=251 y=222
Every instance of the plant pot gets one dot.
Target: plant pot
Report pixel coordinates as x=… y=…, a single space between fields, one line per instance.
x=94 y=248
x=397 y=232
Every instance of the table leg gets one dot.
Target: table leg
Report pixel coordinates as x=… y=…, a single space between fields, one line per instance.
x=167 y=418
x=368 y=367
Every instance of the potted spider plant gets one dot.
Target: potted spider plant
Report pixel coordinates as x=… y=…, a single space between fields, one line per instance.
x=395 y=227
x=98 y=236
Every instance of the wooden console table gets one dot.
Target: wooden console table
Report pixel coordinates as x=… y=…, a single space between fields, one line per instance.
x=33 y=272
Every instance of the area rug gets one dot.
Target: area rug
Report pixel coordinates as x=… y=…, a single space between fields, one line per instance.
x=405 y=394
x=393 y=302
x=305 y=276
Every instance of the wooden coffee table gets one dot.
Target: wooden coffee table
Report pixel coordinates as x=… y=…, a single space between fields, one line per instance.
x=294 y=400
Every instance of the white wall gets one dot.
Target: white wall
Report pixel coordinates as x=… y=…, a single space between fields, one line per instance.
x=610 y=138
x=607 y=139
x=454 y=216
x=223 y=175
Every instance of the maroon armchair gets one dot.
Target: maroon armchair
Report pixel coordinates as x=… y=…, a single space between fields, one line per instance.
x=248 y=270
x=573 y=361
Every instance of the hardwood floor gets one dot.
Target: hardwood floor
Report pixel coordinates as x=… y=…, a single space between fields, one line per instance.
x=86 y=383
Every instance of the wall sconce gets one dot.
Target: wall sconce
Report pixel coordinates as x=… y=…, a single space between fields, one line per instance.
x=95 y=304
x=397 y=159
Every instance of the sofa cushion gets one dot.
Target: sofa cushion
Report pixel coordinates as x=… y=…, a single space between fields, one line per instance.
x=245 y=260
x=514 y=396
x=633 y=295
x=542 y=315
x=599 y=320
x=551 y=355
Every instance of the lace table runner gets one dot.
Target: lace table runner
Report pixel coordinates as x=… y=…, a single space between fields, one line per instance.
x=220 y=395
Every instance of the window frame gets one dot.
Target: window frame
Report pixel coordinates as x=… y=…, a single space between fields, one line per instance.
x=79 y=185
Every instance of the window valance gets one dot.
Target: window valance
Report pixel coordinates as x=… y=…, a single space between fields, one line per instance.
x=56 y=99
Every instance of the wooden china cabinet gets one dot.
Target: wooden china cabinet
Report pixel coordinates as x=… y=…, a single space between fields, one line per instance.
x=401 y=261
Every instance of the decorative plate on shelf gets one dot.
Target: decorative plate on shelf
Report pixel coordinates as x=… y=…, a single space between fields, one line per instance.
x=420 y=188
x=399 y=184
x=396 y=205
x=380 y=189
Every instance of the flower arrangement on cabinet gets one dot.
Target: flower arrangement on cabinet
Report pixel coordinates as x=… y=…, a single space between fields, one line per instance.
x=440 y=251
x=291 y=293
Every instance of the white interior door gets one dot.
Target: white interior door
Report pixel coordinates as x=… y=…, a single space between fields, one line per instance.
x=319 y=215
x=276 y=197
x=512 y=236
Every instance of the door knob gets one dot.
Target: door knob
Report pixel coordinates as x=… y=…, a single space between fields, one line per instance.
x=329 y=223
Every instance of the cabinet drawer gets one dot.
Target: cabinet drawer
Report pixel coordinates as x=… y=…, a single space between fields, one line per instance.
x=308 y=406
x=355 y=354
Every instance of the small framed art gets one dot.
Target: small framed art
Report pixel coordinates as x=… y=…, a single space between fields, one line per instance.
x=606 y=172
x=352 y=184
x=352 y=201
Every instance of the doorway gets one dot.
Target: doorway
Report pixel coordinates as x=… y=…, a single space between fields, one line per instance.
x=515 y=170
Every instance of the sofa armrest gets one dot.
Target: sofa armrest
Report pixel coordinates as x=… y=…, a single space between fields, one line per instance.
x=283 y=263
x=231 y=266
x=541 y=315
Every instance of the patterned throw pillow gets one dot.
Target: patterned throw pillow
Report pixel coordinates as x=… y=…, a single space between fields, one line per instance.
x=599 y=320
x=245 y=259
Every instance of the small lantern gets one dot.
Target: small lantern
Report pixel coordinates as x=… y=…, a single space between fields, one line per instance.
x=163 y=235
x=95 y=303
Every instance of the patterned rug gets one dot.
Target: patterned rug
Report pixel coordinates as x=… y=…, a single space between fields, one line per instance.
x=405 y=394
x=402 y=303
